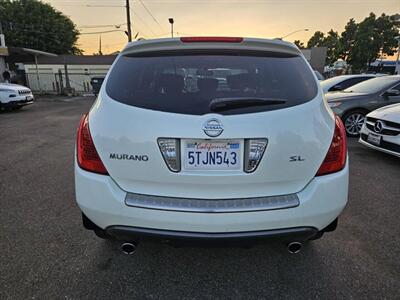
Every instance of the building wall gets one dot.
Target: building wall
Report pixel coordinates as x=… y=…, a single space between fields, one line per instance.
x=316 y=57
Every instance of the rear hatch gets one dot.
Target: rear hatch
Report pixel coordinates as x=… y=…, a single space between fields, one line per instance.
x=211 y=120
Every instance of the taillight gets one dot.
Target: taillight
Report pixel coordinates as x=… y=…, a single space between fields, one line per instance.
x=335 y=159
x=253 y=152
x=211 y=39
x=88 y=158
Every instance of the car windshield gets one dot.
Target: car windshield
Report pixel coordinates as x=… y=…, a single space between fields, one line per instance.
x=372 y=86
x=187 y=83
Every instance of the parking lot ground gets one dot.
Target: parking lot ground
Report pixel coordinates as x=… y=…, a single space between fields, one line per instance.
x=46 y=254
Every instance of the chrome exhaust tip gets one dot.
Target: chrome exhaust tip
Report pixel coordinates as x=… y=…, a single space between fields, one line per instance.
x=128 y=248
x=294 y=247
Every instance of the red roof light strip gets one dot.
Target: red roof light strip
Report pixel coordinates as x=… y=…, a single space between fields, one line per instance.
x=210 y=39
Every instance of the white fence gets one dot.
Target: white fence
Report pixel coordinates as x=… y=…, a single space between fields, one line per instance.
x=53 y=81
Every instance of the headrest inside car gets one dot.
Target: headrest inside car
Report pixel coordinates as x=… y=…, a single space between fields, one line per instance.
x=243 y=81
x=207 y=84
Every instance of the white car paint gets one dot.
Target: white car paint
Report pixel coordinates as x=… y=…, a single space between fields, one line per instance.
x=13 y=95
x=390 y=118
x=298 y=140
x=327 y=84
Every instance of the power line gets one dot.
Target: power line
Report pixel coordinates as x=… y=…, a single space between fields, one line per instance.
x=98 y=32
x=144 y=23
x=102 y=26
x=149 y=12
x=90 y=5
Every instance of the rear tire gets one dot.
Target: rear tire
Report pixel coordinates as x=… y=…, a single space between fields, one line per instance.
x=353 y=121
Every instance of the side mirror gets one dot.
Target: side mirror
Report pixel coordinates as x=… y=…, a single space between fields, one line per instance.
x=391 y=92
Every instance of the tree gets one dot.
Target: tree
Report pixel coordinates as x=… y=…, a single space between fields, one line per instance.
x=37 y=25
x=347 y=39
x=317 y=40
x=332 y=43
x=387 y=30
x=299 y=44
x=375 y=37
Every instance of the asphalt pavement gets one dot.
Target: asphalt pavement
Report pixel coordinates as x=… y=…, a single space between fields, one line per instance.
x=46 y=254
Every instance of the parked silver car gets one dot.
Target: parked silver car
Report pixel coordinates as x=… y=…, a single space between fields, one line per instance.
x=354 y=103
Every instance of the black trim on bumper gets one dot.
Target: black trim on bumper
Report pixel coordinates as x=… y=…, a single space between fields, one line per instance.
x=12 y=104
x=127 y=233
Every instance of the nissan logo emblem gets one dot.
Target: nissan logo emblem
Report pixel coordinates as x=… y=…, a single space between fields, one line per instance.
x=378 y=126
x=213 y=128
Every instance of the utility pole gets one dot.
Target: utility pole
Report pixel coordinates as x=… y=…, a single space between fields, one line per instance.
x=100 y=52
x=128 y=21
x=397 y=68
x=67 y=89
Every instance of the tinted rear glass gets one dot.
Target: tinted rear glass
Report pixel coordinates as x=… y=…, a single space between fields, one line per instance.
x=187 y=83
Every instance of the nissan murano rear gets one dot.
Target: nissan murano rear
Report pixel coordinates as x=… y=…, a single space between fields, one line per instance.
x=209 y=139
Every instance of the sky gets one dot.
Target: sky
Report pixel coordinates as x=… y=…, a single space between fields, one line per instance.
x=247 y=18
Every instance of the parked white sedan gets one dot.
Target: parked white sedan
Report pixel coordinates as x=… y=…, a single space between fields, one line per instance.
x=381 y=130
x=14 y=96
x=342 y=82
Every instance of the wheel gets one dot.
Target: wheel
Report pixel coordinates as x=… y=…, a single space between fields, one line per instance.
x=353 y=122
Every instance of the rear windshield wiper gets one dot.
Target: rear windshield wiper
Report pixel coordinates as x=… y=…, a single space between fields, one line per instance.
x=219 y=104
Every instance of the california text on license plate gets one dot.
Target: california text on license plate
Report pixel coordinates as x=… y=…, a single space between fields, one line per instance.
x=212 y=155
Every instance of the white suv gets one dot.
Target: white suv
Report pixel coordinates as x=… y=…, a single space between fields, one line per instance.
x=14 y=96
x=174 y=150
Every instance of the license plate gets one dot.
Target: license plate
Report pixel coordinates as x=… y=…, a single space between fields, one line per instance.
x=212 y=155
x=374 y=139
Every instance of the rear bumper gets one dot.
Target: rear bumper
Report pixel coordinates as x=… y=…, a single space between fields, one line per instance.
x=126 y=233
x=103 y=202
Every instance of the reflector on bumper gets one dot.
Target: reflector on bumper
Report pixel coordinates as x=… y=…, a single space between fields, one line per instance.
x=170 y=150
x=254 y=151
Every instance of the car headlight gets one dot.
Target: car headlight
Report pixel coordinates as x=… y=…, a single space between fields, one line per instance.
x=334 y=104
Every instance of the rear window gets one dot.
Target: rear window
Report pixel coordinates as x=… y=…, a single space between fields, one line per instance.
x=187 y=83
